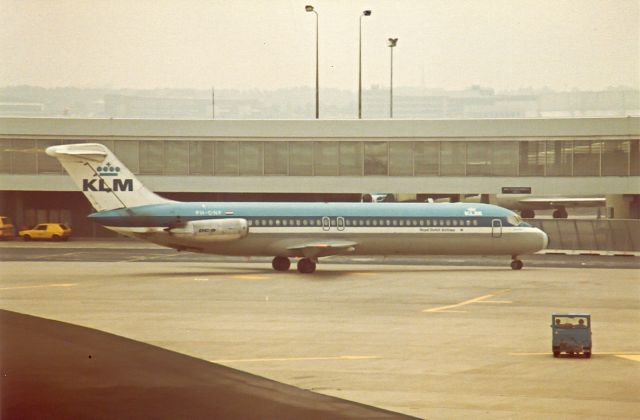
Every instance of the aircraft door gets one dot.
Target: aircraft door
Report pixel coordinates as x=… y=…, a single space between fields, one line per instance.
x=326 y=223
x=496 y=228
x=340 y=223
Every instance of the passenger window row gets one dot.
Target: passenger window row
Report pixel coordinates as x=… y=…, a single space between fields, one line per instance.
x=357 y=222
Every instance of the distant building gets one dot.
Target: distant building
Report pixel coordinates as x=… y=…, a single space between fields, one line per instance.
x=123 y=106
x=475 y=102
x=478 y=102
x=298 y=103
x=269 y=160
x=23 y=109
x=607 y=103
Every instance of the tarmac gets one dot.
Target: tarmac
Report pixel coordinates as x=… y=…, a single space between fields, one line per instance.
x=457 y=340
x=54 y=370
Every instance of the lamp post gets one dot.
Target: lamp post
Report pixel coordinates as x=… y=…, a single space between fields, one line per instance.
x=392 y=43
x=309 y=8
x=364 y=13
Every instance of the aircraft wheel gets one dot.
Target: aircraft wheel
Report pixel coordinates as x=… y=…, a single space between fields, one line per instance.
x=517 y=265
x=306 y=266
x=560 y=214
x=556 y=354
x=281 y=263
x=528 y=214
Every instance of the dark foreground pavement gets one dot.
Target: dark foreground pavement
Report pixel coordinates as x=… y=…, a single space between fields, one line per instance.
x=52 y=370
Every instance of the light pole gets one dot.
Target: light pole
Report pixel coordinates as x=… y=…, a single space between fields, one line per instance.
x=392 y=43
x=364 y=13
x=309 y=8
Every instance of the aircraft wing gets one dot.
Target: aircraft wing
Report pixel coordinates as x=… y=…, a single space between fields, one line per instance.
x=316 y=249
x=564 y=201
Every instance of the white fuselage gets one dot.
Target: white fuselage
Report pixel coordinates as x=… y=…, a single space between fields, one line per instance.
x=410 y=241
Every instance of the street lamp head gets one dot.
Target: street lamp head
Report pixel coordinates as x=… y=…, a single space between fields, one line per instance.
x=367 y=13
x=308 y=8
x=393 y=42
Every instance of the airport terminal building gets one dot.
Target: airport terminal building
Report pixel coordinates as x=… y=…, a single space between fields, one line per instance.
x=324 y=160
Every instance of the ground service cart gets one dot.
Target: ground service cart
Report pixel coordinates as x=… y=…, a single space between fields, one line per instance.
x=571 y=334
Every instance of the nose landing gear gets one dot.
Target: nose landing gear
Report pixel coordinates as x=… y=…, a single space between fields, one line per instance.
x=516 y=264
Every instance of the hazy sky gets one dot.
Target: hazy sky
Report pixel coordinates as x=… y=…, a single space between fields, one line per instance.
x=452 y=44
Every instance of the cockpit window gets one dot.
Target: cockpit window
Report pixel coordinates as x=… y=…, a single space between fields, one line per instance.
x=514 y=219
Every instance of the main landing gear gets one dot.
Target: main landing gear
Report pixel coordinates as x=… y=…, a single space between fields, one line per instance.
x=305 y=265
x=516 y=264
x=281 y=263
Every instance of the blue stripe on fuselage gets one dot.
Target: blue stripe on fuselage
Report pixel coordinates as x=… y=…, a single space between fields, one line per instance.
x=168 y=214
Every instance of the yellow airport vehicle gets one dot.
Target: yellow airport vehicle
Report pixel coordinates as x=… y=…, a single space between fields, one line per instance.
x=6 y=228
x=47 y=231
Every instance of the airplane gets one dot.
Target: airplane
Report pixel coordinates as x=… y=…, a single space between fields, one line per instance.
x=527 y=204
x=306 y=231
x=377 y=198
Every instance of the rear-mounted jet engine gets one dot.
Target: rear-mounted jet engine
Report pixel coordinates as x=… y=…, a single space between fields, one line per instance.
x=212 y=230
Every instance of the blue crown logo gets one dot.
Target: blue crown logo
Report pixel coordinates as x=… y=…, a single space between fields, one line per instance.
x=108 y=170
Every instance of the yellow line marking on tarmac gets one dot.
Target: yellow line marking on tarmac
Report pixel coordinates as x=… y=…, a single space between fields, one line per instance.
x=135 y=259
x=634 y=357
x=532 y=354
x=495 y=301
x=295 y=359
x=610 y=353
x=151 y=257
x=39 y=286
x=250 y=277
x=66 y=254
x=481 y=299
x=622 y=354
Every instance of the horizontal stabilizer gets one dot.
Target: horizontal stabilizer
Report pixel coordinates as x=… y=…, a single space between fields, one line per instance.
x=88 y=153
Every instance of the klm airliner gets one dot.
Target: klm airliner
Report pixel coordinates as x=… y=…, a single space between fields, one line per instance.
x=306 y=231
